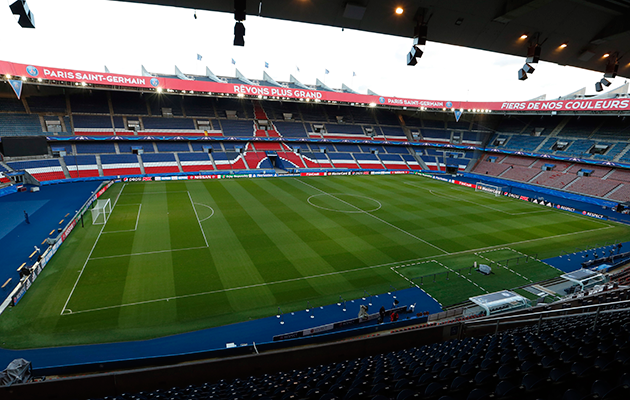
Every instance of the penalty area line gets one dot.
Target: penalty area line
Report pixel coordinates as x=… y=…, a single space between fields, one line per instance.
x=89 y=255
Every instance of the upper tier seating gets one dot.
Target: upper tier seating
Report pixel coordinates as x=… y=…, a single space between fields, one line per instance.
x=20 y=125
x=128 y=103
x=94 y=102
x=43 y=104
x=158 y=123
x=95 y=148
x=160 y=101
x=291 y=129
x=11 y=104
x=237 y=128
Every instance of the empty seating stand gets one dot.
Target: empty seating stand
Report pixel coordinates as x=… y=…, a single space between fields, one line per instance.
x=81 y=166
x=120 y=164
x=159 y=163
x=368 y=161
x=195 y=162
x=343 y=160
x=573 y=357
x=393 y=161
x=42 y=170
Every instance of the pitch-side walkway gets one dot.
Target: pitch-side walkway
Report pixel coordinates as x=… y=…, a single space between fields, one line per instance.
x=258 y=331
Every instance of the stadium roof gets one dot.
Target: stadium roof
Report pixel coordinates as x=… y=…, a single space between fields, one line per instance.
x=589 y=28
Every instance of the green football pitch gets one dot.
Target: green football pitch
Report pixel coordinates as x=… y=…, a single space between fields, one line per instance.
x=181 y=256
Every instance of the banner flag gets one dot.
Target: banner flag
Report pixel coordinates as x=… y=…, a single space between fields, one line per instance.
x=458 y=113
x=17 y=87
x=198 y=56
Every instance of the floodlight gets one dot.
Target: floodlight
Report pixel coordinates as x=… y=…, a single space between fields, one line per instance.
x=414 y=54
x=598 y=87
x=522 y=75
x=25 y=17
x=528 y=68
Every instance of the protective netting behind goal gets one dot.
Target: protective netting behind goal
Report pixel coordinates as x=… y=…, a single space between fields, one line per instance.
x=101 y=211
x=484 y=187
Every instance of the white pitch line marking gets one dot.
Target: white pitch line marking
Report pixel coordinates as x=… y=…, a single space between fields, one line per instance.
x=197 y=216
x=89 y=255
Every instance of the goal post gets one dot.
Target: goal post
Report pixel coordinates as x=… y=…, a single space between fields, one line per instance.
x=484 y=187
x=101 y=211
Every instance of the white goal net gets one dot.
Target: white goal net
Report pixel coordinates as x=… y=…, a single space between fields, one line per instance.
x=101 y=211
x=484 y=187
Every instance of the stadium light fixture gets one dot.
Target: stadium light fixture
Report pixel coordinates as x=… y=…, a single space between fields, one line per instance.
x=606 y=55
x=241 y=95
x=8 y=76
x=533 y=54
x=23 y=78
x=400 y=10
x=372 y=104
x=524 y=36
x=159 y=90
x=40 y=80
x=564 y=45
x=528 y=68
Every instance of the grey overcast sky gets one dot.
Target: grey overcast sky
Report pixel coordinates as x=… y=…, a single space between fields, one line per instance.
x=89 y=34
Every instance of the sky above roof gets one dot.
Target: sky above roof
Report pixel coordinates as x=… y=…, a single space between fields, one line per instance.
x=90 y=34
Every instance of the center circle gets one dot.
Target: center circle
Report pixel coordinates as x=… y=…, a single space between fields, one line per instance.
x=344 y=202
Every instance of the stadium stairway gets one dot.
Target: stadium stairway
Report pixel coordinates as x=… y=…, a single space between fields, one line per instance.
x=64 y=167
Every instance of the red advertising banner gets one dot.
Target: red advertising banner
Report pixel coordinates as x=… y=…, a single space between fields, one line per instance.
x=155 y=82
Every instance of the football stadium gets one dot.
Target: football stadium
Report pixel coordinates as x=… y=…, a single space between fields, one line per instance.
x=200 y=236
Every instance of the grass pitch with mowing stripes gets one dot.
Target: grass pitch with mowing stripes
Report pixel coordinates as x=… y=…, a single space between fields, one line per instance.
x=187 y=255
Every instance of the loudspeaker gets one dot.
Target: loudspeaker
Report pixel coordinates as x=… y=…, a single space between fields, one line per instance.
x=239 y=34
x=611 y=70
x=420 y=35
x=598 y=87
x=522 y=75
x=533 y=54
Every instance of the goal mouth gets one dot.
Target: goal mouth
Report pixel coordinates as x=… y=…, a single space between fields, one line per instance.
x=484 y=187
x=101 y=211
